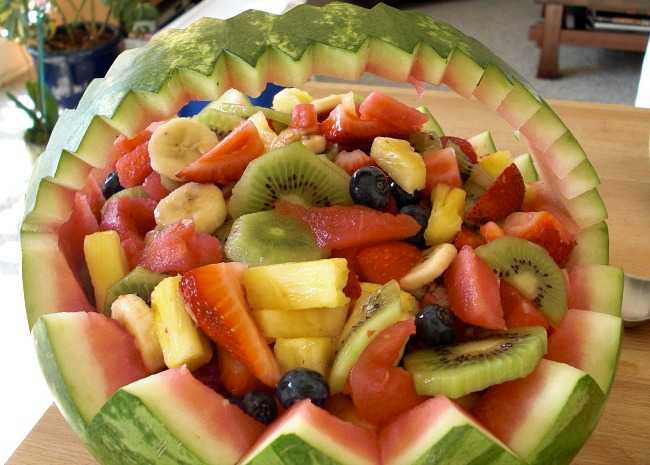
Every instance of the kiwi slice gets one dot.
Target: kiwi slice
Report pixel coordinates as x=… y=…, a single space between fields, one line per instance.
x=246 y=111
x=530 y=269
x=424 y=141
x=139 y=281
x=493 y=358
x=267 y=238
x=220 y=122
x=382 y=309
x=293 y=173
x=464 y=164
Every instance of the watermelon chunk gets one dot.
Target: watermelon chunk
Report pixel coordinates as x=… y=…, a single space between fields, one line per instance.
x=86 y=357
x=307 y=434
x=171 y=418
x=596 y=287
x=439 y=431
x=547 y=416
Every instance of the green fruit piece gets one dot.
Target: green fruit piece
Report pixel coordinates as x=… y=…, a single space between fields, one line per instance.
x=526 y=167
x=220 y=122
x=592 y=246
x=557 y=409
x=483 y=143
x=425 y=141
x=246 y=111
x=530 y=269
x=382 y=310
x=293 y=173
x=223 y=231
x=267 y=238
x=139 y=281
x=493 y=358
x=431 y=126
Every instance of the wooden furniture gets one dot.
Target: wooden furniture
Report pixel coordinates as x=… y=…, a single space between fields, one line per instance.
x=549 y=33
x=616 y=138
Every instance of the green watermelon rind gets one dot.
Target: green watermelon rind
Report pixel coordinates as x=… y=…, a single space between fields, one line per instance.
x=291 y=449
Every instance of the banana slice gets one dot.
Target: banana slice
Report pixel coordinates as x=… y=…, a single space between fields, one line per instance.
x=267 y=134
x=436 y=260
x=201 y=203
x=177 y=143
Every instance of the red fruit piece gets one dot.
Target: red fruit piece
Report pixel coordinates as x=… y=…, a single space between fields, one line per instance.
x=435 y=295
x=543 y=229
x=518 y=311
x=82 y=222
x=380 y=390
x=505 y=196
x=352 y=288
x=340 y=227
x=463 y=144
x=352 y=161
x=347 y=129
x=132 y=218
x=234 y=376
x=178 y=248
x=134 y=167
x=303 y=116
x=93 y=192
x=215 y=296
x=350 y=254
x=442 y=167
x=154 y=188
x=390 y=111
x=468 y=237
x=208 y=374
x=491 y=231
x=124 y=145
x=389 y=260
x=227 y=161
x=341 y=406
x=473 y=291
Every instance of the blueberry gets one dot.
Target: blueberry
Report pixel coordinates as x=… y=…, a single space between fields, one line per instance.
x=434 y=326
x=422 y=217
x=260 y=405
x=369 y=187
x=111 y=185
x=402 y=197
x=301 y=383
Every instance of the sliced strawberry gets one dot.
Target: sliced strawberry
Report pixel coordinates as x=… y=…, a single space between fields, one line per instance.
x=350 y=254
x=341 y=227
x=352 y=288
x=303 y=116
x=468 y=237
x=227 y=161
x=491 y=231
x=505 y=196
x=389 y=260
x=381 y=107
x=178 y=248
x=462 y=144
x=234 y=376
x=544 y=229
x=215 y=296
x=134 y=166
x=442 y=167
x=154 y=188
x=518 y=311
x=352 y=161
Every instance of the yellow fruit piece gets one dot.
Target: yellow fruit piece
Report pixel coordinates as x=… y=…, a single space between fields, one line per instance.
x=180 y=340
x=397 y=158
x=136 y=317
x=495 y=163
x=446 y=217
x=288 y=98
x=314 y=322
x=267 y=134
x=297 y=286
x=314 y=353
x=106 y=262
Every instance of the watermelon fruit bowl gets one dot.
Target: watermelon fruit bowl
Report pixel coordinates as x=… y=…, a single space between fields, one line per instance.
x=327 y=281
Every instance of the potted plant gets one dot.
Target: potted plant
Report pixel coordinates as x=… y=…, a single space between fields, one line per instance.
x=76 y=49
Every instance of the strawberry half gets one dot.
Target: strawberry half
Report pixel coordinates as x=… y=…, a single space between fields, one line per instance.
x=352 y=161
x=505 y=196
x=390 y=260
x=215 y=296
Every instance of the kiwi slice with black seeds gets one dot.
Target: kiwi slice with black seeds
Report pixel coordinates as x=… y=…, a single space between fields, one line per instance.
x=492 y=358
x=267 y=238
x=293 y=173
x=220 y=122
x=529 y=267
x=139 y=281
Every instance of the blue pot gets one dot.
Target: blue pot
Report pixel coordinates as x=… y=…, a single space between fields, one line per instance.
x=68 y=73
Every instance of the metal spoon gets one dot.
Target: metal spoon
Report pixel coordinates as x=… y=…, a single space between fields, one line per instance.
x=636 y=300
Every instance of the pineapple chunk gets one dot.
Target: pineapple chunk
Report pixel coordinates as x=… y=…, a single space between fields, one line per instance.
x=448 y=204
x=264 y=130
x=314 y=353
x=181 y=342
x=106 y=262
x=297 y=286
x=137 y=318
x=288 y=98
x=397 y=158
x=490 y=167
x=314 y=322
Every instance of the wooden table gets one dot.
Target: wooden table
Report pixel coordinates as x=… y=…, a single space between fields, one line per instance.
x=549 y=33
x=616 y=138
